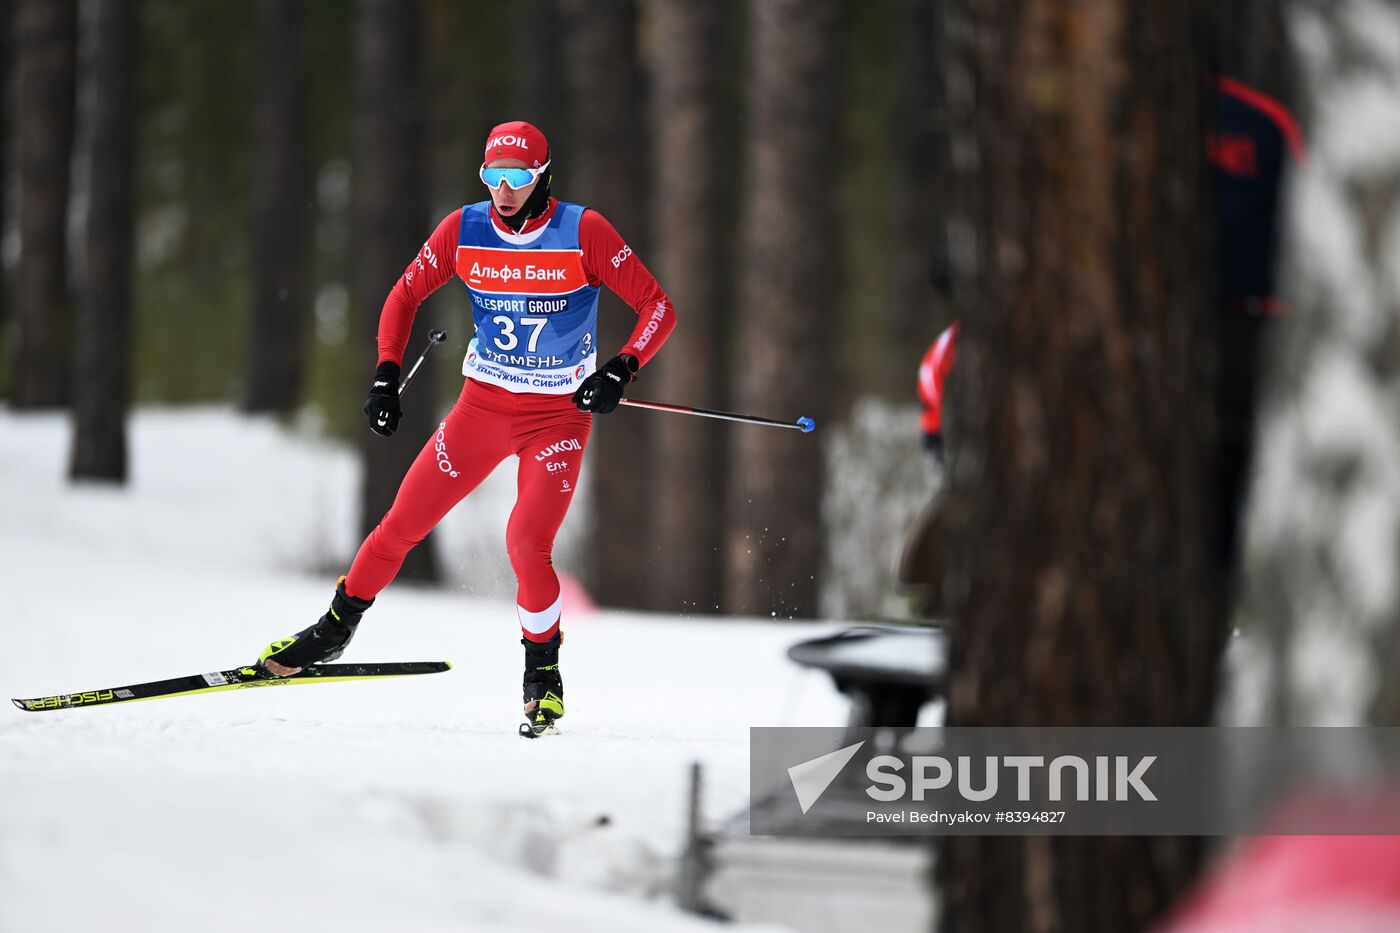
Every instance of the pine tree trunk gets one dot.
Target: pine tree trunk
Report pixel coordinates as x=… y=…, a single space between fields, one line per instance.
x=1080 y=569
x=466 y=103
x=690 y=223
x=959 y=159
x=1253 y=46
x=787 y=346
x=390 y=223
x=41 y=335
x=1323 y=525
x=537 y=87
x=605 y=169
x=103 y=342
x=7 y=57
x=283 y=210
x=916 y=205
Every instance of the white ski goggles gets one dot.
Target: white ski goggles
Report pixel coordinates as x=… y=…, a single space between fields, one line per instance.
x=514 y=178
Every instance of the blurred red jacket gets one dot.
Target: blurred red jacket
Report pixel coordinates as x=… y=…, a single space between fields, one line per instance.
x=933 y=371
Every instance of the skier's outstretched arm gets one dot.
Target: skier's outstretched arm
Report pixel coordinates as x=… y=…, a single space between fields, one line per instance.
x=429 y=271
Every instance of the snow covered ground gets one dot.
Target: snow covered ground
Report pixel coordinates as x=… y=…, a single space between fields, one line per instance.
x=404 y=805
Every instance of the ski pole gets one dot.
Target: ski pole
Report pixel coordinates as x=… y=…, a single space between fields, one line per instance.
x=435 y=337
x=805 y=425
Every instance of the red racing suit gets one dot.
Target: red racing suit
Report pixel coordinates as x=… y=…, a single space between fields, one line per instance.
x=490 y=422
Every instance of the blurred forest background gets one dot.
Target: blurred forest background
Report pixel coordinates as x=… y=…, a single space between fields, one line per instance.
x=207 y=202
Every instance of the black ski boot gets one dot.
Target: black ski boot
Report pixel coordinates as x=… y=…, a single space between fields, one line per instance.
x=544 y=688
x=324 y=641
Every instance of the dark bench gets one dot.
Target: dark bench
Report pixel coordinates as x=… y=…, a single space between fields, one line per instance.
x=888 y=672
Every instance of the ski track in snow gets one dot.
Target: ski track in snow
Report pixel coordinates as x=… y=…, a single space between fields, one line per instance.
x=409 y=804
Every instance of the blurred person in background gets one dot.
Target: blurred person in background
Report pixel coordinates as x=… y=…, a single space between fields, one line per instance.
x=1255 y=142
x=933 y=372
x=532 y=266
x=918 y=561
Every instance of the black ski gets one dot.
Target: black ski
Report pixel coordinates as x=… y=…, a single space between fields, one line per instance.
x=237 y=678
x=529 y=730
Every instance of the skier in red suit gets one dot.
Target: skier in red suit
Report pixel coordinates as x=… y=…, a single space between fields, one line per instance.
x=532 y=266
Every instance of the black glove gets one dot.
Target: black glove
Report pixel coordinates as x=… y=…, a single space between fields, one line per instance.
x=382 y=407
x=601 y=392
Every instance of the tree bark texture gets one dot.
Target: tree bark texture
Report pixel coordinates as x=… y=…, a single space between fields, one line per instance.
x=691 y=223
x=605 y=168
x=1080 y=571
x=537 y=91
x=390 y=223
x=1253 y=47
x=284 y=194
x=916 y=206
x=786 y=344
x=7 y=57
x=104 y=339
x=962 y=188
x=42 y=329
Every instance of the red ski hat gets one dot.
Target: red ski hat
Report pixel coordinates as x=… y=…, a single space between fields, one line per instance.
x=517 y=140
